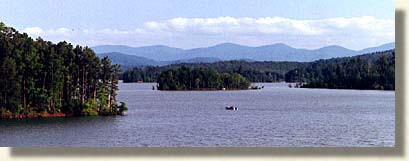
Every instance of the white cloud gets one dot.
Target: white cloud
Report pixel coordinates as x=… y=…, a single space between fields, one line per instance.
x=37 y=31
x=60 y=31
x=355 y=32
x=33 y=31
x=272 y=25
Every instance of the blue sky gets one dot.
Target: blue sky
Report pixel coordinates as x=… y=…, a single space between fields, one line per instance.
x=198 y=23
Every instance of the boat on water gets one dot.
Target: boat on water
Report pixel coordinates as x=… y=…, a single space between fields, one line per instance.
x=256 y=87
x=234 y=108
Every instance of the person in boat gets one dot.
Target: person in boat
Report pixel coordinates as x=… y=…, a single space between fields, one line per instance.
x=231 y=108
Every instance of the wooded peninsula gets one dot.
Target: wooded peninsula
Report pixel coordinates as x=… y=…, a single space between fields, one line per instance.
x=42 y=79
x=368 y=71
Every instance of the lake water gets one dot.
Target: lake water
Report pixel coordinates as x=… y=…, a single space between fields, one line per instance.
x=276 y=116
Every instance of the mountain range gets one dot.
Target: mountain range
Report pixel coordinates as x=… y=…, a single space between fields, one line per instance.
x=160 y=55
x=131 y=60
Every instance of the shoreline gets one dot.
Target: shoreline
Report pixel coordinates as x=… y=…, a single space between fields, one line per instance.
x=261 y=83
x=213 y=89
x=33 y=115
x=350 y=89
x=49 y=115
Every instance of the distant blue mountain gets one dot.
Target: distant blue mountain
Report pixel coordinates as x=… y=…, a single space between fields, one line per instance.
x=378 y=48
x=129 y=60
x=229 y=51
x=332 y=51
x=193 y=60
x=137 y=61
x=157 y=52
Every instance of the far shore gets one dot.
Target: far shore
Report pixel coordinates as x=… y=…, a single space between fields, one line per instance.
x=288 y=83
x=212 y=89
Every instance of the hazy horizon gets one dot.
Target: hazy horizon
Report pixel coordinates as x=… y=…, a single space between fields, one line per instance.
x=237 y=44
x=300 y=24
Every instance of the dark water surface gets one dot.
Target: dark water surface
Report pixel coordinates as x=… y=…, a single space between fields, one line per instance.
x=276 y=116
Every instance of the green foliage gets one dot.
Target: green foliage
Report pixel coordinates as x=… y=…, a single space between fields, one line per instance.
x=39 y=99
x=184 y=78
x=371 y=71
x=103 y=96
x=90 y=108
x=122 y=108
x=252 y=71
x=72 y=107
x=38 y=76
x=2 y=26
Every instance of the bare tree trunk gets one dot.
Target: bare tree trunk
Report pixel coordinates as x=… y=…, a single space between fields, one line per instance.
x=83 y=87
x=95 y=93
x=24 y=96
x=109 y=102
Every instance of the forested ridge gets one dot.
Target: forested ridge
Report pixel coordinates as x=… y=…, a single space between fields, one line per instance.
x=39 y=78
x=368 y=71
x=266 y=71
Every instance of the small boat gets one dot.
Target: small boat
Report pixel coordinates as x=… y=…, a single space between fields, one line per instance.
x=232 y=108
x=256 y=87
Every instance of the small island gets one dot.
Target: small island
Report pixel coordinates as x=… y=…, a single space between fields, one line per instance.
x=185 y=78
x=41 y=79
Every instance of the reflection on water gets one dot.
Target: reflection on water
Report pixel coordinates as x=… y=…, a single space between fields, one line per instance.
x=273 y=117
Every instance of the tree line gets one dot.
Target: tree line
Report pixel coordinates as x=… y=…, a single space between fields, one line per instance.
x=40 y=77
x=267 y=71
x=370 y=71
x=185 y=78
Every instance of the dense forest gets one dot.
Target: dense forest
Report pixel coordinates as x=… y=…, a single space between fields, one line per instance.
x=370 y=71
x=253 y=71
x=184 y=78
x=42 y=79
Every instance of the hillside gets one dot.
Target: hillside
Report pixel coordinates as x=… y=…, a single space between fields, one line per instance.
x=260 y=71
x=128 y=61
x=230 y=51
